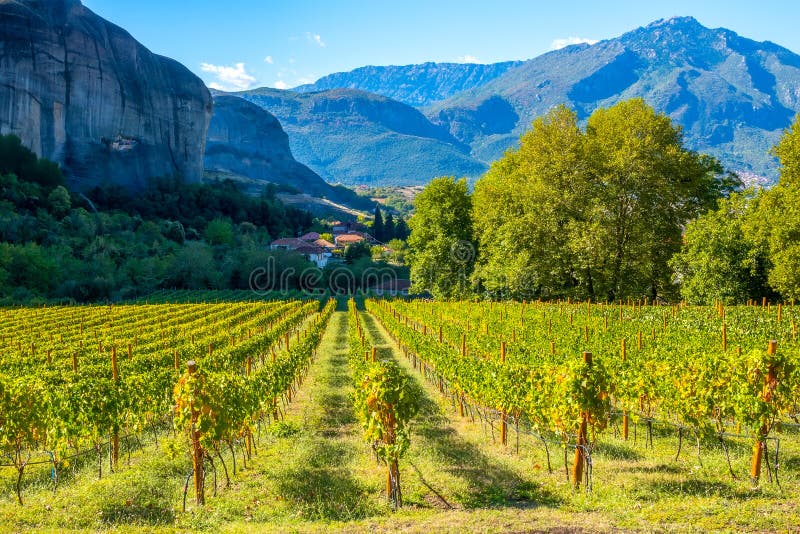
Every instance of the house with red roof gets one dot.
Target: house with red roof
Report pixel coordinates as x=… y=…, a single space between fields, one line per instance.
x=312 y=252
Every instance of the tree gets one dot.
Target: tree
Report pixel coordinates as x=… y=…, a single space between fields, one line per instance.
x=524 y=208
x=401 y=229
x=776 y=222
x=441 y=245
x=645 y=187
x=398 y=250
x=594 y=214
x=59 y=201
x=388 y=228
x=357 y=250
x=21 y=161
x=377 y=225
x=719 y=259
x=219 y=232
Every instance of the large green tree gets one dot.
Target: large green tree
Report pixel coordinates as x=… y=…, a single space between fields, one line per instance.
x=441 y=246
x=525 y=206
x=594 y=214
x=644 y=187
x=776 y=222
x=720 y=259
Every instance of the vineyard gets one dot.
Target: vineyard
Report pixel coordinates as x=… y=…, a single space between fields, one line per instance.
x=222 y=402
x=568 y=369
x=74 y=380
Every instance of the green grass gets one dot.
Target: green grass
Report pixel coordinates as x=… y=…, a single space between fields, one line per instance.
x=314 y=473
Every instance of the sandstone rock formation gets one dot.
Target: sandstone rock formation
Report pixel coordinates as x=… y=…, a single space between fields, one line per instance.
x=81 y=91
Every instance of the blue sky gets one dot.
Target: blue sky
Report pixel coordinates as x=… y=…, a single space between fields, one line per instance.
x=239 y=44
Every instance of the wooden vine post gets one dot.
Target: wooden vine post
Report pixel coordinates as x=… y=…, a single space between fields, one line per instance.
x=760 y=447
x=582 y=441
x=724 y=337
x=115 y=435
x=197 y=449
x=503 y=414
x=625 y=417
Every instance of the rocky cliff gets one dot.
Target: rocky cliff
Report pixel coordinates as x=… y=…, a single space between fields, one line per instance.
x=245 y=140
x=81 y=91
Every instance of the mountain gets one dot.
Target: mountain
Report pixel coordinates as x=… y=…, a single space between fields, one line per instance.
x=81 y=91
x=733 y=96
x=415 y=85
x=355 y=137
x=246 y=141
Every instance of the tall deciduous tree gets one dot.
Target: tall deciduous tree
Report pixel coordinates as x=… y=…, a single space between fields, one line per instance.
x=592 y=214
x=441 y=247
x=525 y=206
x=720 y=259
x=645 y=186
x=777 y=220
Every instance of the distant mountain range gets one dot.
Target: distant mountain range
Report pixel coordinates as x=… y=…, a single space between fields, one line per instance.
x=355 y=137
x=733 y=97
x=415 y=85
x=110 y=111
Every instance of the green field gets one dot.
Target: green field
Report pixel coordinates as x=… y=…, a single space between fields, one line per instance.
x=284 y=427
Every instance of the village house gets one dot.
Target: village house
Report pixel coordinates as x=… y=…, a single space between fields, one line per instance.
x=312 y=252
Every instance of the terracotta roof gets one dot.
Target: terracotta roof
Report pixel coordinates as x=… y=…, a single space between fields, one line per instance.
x=349 y=238
x=311 y=236
x=324 y=243
x=289 y=242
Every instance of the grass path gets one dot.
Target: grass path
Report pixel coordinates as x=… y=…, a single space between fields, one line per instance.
x=315 y=467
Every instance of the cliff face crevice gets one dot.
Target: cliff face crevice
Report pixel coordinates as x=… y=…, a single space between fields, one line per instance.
x=81 y=91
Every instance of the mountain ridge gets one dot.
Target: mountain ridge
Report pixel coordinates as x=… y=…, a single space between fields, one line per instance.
x=355 y=137
x=731 y=95
x=415 y=84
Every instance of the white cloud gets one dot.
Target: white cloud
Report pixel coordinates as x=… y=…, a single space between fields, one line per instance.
x=280 y=84
x=233 y=78
x=558 y=44
x=316 y=39
x=467 y=59
x=269 y=60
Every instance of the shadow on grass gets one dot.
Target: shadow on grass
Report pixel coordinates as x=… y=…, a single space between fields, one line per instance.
x=489 y=483
x=789 y=463
x=135 y=514
x=322 y=488
x=667 y=469
x=698 y=488
x=617 y=451
x=335 y=400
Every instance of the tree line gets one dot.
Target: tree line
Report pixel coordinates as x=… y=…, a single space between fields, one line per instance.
x=614 y=210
